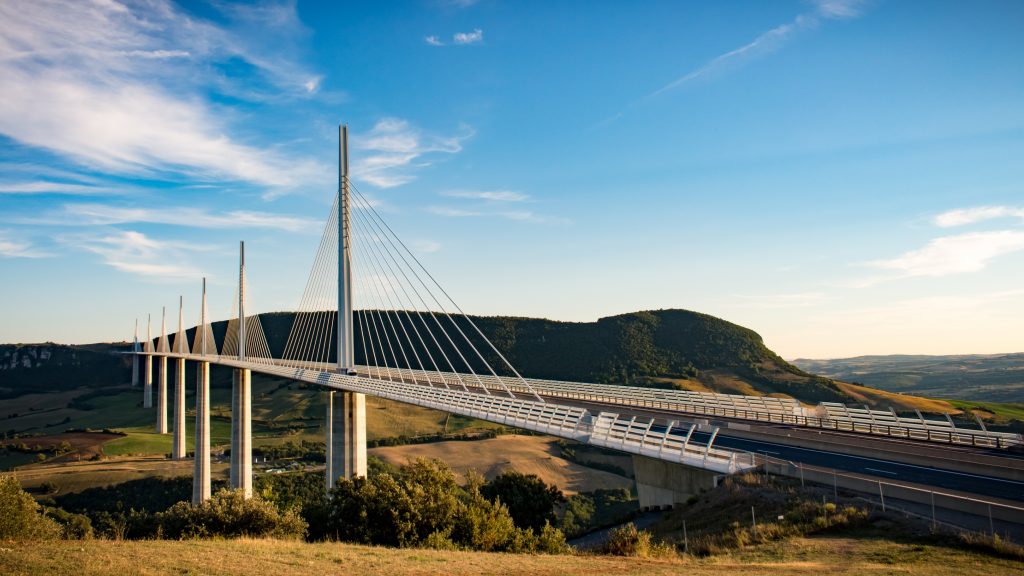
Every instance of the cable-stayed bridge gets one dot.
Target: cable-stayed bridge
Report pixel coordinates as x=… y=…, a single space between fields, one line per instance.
x=400 y=336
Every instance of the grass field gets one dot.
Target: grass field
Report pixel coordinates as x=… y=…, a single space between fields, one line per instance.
x=527 y=454
x=77 y=476
x=804 y=556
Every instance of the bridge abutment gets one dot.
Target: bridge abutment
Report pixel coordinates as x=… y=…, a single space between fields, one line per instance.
x=201 y=468
x=661 y=484
x=178 y=443
x=147 y=383
x=346 y=436
x=241 y=430
x=161 y=398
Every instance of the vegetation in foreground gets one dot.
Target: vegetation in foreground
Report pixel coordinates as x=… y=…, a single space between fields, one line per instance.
x=839 y=555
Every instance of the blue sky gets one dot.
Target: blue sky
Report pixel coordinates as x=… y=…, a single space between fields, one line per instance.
x=843 y=177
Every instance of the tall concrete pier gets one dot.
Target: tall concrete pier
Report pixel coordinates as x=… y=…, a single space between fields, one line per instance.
x=147 y=382
x=161 y=398
x=346 y=411
x=241 y=398
x=201 y=464
x=201 y=468
x=178 y=444
x=241 y=430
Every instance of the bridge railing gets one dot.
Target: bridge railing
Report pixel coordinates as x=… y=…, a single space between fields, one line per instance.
x=762 y=409
x=608 y=429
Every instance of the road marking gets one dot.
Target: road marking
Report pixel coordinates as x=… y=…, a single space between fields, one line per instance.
x=882 y=471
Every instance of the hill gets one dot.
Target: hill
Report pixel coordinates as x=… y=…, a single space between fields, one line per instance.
x=659 y=348
x=990 y=377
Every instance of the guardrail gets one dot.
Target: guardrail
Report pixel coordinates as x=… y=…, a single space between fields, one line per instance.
x=758 y=408
x=827 y=416
x=574 y=423
x=988 y=515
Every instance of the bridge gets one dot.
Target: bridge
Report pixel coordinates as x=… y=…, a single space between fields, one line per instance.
x=409 y=341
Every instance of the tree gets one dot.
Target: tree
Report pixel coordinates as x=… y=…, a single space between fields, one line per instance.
x=530 y=501
x=19 y=514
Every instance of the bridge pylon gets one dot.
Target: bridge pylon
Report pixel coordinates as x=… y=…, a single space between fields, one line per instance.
x=147 y=381
x=241 y=399
x=180 y=347
x=345 y=422
x=161 y=389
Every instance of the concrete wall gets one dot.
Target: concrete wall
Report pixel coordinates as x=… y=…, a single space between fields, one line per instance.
x=661 y=484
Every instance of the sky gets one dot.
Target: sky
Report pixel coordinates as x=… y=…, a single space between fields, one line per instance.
x=844 y=177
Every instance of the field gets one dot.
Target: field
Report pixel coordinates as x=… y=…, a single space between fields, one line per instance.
x=834 y=555
x=77 y=476
x=527 y=454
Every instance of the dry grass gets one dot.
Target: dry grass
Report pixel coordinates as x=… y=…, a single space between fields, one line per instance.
x=837 y=556
x=526 y=454
x=77 y=476
x=876 y=398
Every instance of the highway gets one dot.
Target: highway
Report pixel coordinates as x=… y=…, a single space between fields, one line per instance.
x=882 y=467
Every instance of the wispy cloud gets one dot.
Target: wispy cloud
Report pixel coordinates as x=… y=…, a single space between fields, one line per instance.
x=770 y=40
x=104 y=215
x=474 y=37
x=135 y=253
x=14 y=246
x=426 y=246
x=517 y=215
x=458 y=39
x=122 y=87
x=959 y=254
x=965 y=216
x=46 y=187
x=391 y=152
x=490 y=195
x=763 y=44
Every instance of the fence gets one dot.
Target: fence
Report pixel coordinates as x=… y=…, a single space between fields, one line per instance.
x=965 y=512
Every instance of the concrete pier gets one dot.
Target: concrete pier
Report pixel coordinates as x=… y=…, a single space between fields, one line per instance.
x=147 y=383
x=201 y=468
x=661 y=484
x=241 y=430
x=178 y=442
x=161 y=398
x=346 y=436
x=135 y=370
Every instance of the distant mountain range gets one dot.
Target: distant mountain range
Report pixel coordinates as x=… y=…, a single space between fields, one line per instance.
x=977 y=377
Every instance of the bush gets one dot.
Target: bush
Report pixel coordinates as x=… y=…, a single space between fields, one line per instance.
x=19 y=514
x=627 y=540
x=421 y=504
x=530 y=501
x=229 y=514
x=73 y=526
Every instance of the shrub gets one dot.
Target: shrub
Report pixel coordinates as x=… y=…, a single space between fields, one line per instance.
x=627 y=540
x=19 y=514
x=229 y=514
x=530 y=501
x=73 y=526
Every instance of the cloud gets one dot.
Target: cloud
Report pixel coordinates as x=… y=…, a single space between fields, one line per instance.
x=764 y=43
x=433 y=41
x=491 y=195
x=124 y=88
x=46 y=187
x=474 y=37
x=965 y=216
x=392 y=150
x=135 y=253
x=517 y=215
x=13 y=247
x=98 y=214
x=426 y=246
x=960 y=254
